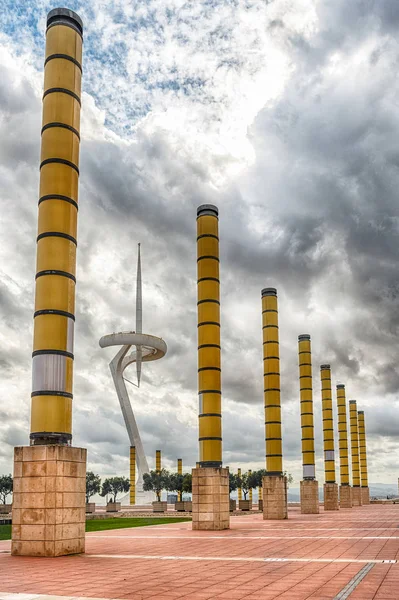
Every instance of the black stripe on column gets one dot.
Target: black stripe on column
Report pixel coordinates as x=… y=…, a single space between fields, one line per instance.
x=51 y=311
x=58 y=352
x=51 y=393
x=63 y=126
x=62 y=91
x=55 y=272
x=59 y=161
x=59 y=197
x=66 y=57
x=57 y=234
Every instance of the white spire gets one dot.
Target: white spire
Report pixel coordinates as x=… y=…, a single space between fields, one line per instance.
x=139 y=299
x=139 y=316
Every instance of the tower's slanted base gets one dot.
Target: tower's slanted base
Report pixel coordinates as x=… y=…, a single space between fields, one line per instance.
x=275 y=497
x=345 y=496
x=331 y=496
x=365 y=495
x=309 y=497
x=48 y=517
x=211 y=499
x=356 y=496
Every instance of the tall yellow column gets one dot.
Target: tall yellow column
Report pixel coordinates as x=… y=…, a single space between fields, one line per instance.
x=239 y=490
x=309 y=487
x=158 y=465
x=271 y=380
x=250 y=494
x=54 y=314
x=330 y=487
x=54 y=317
x=132 y=475
x=212 y=514
x=179 y=472
x=356 y=492
x=345 y=490
x=209 y=368
x=274 y=484
x=365 y=492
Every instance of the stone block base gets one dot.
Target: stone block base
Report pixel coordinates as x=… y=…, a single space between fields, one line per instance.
x=345 y=496
x=356 y=496
x=49 y=501
x=210 y=499
x=159 y=506
x=275 y=497
x=309 y=497
x=331 y=496
x=365 y=495
x=244 y=505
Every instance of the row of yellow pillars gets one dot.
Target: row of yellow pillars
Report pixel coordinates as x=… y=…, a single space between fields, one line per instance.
x=357 y=426
x=209 y=374
x=209 y=377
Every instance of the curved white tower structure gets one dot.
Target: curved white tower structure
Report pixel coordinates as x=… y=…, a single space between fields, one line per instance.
x=146 y=348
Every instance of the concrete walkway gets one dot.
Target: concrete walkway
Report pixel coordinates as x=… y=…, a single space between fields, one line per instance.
x=334 y=555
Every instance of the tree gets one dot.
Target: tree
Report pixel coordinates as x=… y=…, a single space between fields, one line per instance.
x=5 y=487
x=156 y=481
x=256 y=478
x=114 y=486
x=93 y=485
x=187 y=483
x=289 y=477
x=174 y=483
x=233 y=482
x=244 y=484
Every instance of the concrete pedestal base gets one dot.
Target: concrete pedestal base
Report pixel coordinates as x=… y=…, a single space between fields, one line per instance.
x=309 y=497
x=210 y=499
x=345 y=496
x=274 y=497
x=331 y=496
x=49 y=501
x=356 y=496
x=365 y=495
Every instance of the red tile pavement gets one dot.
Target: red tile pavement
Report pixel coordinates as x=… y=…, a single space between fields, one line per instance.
x=255 y=560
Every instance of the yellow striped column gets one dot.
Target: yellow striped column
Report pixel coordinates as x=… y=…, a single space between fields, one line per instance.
x=158 y=465
x=54 y=313
x=306 y=399
x=309 y=487
x=210 y=481
x=365 y=492
x=179 y=472
x=54 y=317
x=345 y=490
x=239 y=490
x=274 y=483
x=132 y=475
x=330 y=487
x=250 y=490
x=209 y=368
x=271 y=380
x=354 y=429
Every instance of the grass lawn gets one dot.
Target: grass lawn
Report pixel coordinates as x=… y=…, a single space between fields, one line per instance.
x=5 y=532
x=123 y=522
x=114 y=523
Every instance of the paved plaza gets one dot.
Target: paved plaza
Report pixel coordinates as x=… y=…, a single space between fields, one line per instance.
x=336 y=555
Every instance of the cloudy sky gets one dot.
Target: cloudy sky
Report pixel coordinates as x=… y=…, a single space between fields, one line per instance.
x=284 y=114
